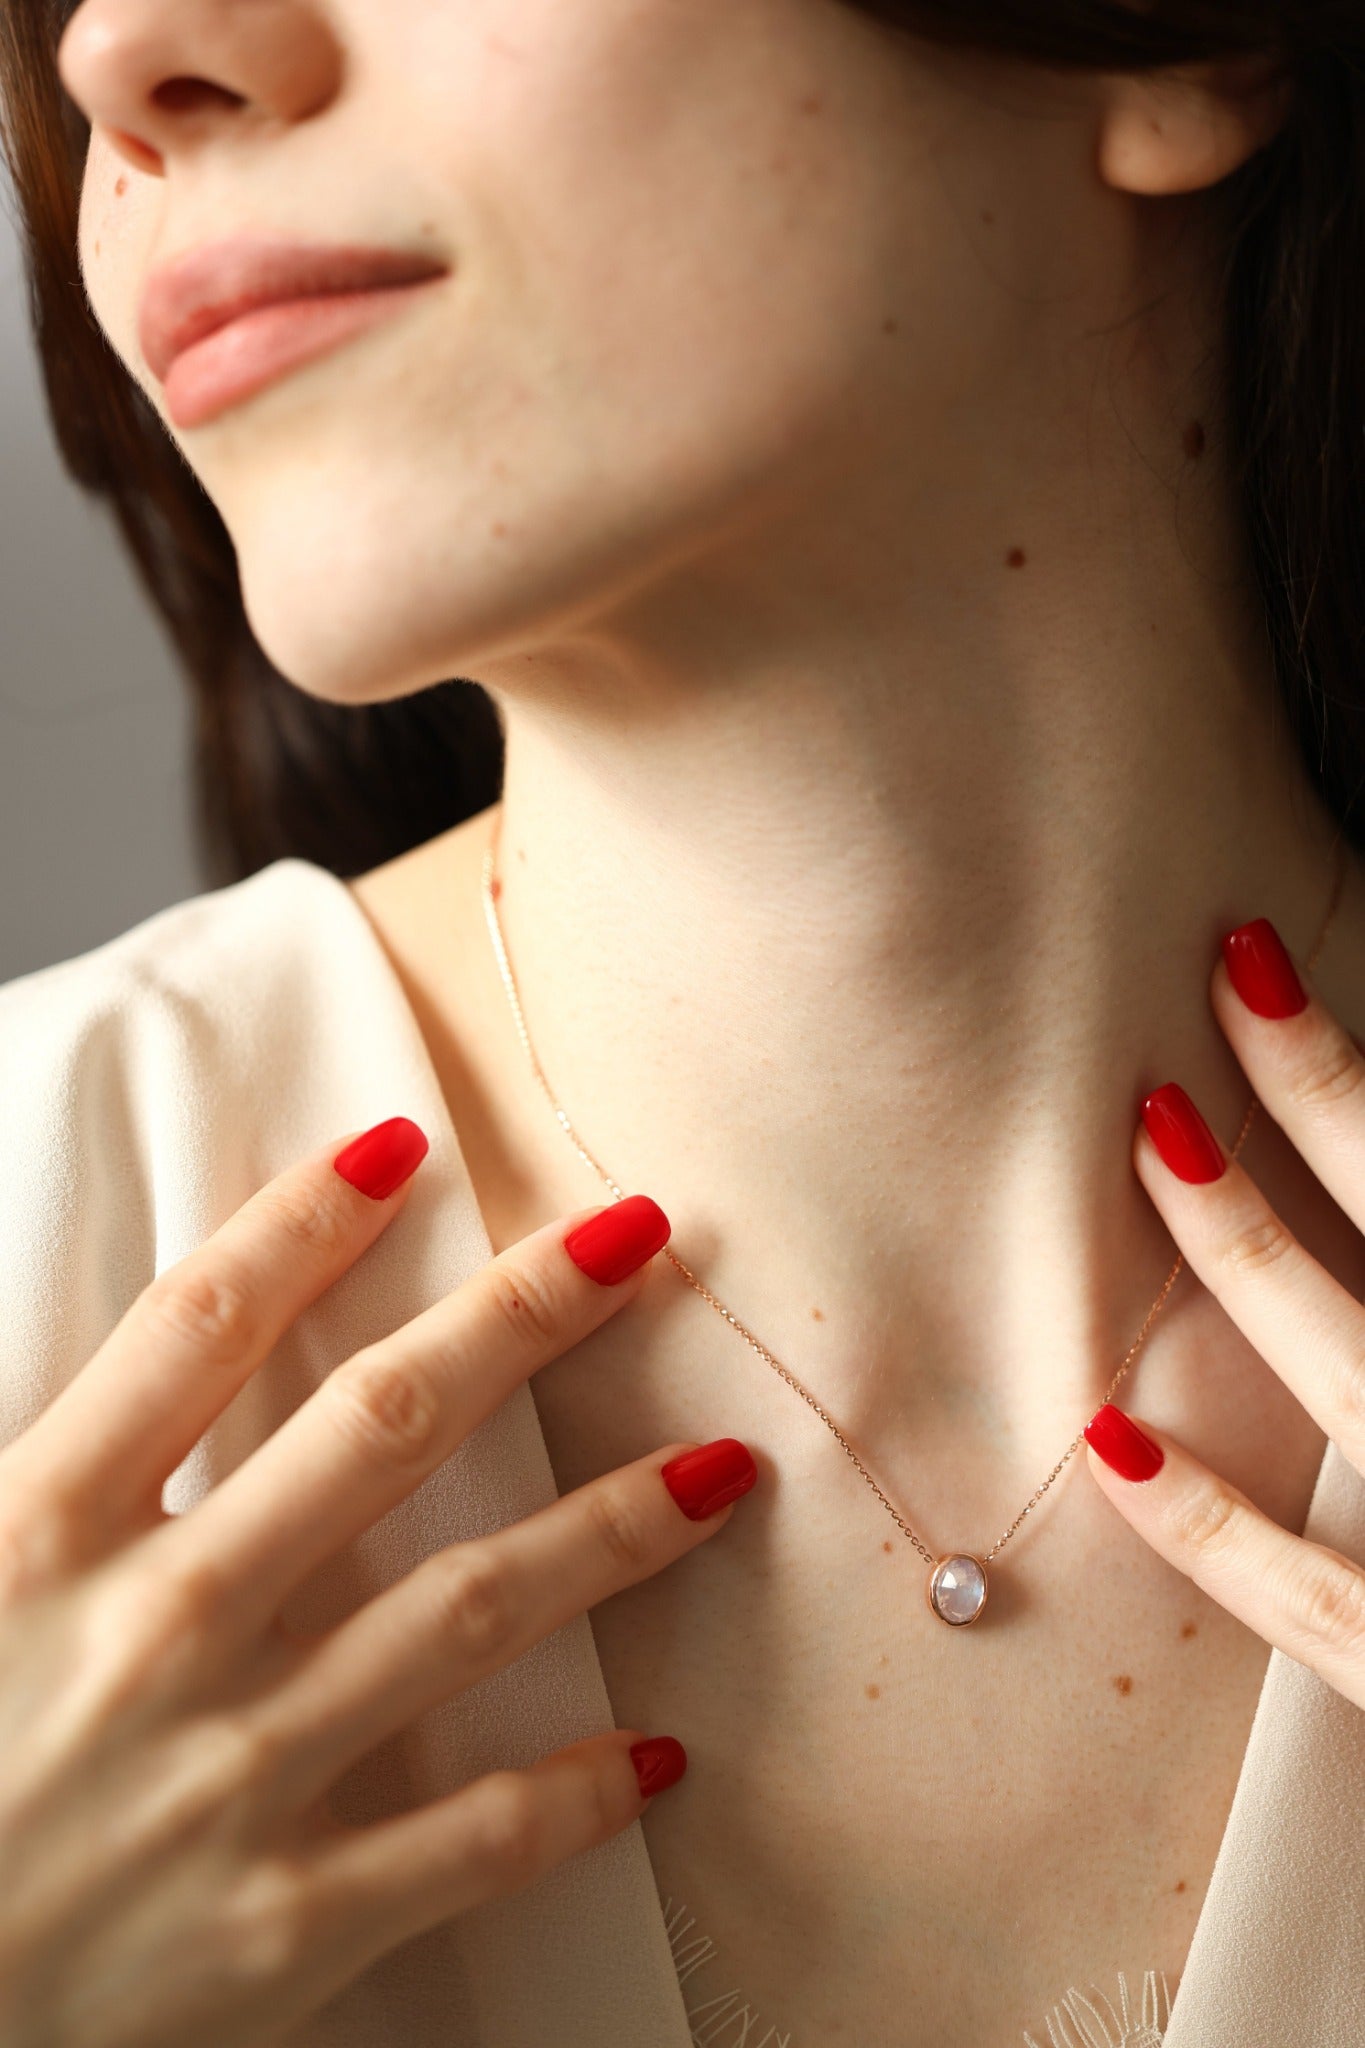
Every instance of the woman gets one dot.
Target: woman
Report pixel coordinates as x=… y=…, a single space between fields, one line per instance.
x=894 y=471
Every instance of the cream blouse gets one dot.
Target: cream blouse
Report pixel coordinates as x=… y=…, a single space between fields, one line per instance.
x=154 y=1083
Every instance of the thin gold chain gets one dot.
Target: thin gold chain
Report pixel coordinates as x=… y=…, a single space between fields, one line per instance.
x=489 y=885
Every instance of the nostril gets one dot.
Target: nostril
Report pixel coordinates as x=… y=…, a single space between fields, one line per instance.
x=185 y=95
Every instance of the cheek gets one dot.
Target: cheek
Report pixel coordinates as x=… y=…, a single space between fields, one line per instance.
x=674 y=237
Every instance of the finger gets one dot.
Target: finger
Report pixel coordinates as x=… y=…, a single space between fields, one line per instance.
x=380 y=1885
x=386 y=1419
x=1303 y=1322
x=1306 y=1068
x=477 y=1606
x=109 y=1441
x=1301 y=1597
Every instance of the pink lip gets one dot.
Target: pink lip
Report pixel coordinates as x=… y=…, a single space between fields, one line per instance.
x=225 y=319
x=241 y=358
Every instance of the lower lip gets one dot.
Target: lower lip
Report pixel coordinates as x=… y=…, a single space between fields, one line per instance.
x=240 y=359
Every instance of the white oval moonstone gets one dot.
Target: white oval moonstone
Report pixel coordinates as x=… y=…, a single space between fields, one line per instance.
x=957 y=1588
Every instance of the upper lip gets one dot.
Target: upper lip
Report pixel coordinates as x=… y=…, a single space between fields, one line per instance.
x=194 y=295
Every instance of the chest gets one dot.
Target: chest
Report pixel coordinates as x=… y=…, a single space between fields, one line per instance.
x=889 y=1830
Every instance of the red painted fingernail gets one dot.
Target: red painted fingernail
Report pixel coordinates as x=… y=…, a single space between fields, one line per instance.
x=615 y=1242
x=1181 y=1136
x=1122 y=1445
x=381 y=1159
x=704 y=1480
x=659 y=1761
x=1261 y=970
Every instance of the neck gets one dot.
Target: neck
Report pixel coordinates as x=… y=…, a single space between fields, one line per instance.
x=857 y=943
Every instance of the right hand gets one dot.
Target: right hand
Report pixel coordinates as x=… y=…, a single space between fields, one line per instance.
x=169 y=1869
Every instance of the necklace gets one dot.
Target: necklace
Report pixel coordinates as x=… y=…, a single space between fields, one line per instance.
x=957 y=1585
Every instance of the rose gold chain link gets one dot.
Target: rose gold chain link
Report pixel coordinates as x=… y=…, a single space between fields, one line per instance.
x=509 y=983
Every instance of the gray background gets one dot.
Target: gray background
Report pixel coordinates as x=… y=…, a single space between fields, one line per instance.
x=94 y=719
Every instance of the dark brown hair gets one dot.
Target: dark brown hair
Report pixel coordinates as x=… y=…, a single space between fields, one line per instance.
x=278 y=772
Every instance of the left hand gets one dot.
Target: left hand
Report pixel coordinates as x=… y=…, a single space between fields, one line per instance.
x=1308 y=1072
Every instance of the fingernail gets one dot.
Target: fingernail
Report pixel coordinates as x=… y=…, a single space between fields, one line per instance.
x=1261 y=970
x=659 y=1761
x=705 y=1480
x=616 y=1242
x=1122 y=1445
x=1181 y=1136
x=381 y=1159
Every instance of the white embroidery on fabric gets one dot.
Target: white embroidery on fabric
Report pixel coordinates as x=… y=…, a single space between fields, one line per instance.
x=1079 y=2023
x=725 y=2020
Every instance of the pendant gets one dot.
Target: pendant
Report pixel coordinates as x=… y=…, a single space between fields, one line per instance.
x=957 y=1588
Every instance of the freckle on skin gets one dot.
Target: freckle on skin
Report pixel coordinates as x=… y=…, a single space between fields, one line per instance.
x=812 y=103
x=1015 y=559
x=890 y=326
x=886 y=1543
x=819 y=1314
x=1187 y=1629
x=1181 y=1886
x=1123 y=1684
x=120 y=187
x=498 y=528
x=988 y=220
x=1194 y=440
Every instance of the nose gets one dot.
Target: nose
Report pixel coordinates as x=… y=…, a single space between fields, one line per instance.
x=163 y=77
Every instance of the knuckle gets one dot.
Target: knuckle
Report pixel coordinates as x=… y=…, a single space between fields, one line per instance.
x=309 y=1220
x=1332 y=1607
x=269 y=1922
x=206 y=1308
x=512 y=1844
x=1258 y=1244
x=618 y=1528
x=1207 y=1523
x=39 y=1534
x=1348 y=1408
x=167 y=1614
x=19 y=1574
x=1331 y=1075
x=238 y=1753
x=476 y=1614
x=163 y=1602
x=187 y=1594
x=614 y=1793
x=522 y=1302
x=388 y=1405
x=142 y=1634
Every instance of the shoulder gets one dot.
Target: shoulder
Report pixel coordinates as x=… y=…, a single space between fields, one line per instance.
x=144 y=1080
x=169 y=959
x=206 y=988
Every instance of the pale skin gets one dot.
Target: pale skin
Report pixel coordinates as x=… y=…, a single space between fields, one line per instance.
x=802 y=453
